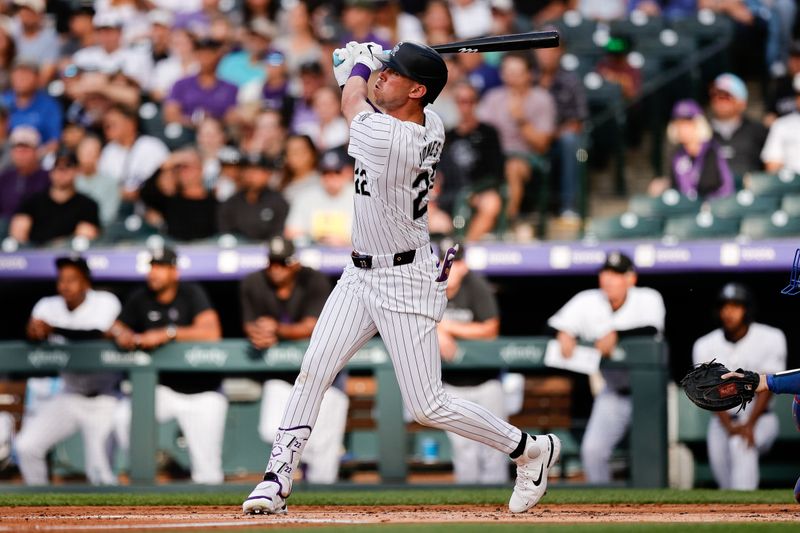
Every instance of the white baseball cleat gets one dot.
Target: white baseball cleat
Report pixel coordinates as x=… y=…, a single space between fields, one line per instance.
x=266 y=498
x=540 y=454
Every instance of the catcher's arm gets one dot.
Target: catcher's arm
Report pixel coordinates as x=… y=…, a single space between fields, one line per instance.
x=787 y=382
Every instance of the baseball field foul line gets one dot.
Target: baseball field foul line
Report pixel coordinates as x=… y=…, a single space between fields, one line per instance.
x=183 y=525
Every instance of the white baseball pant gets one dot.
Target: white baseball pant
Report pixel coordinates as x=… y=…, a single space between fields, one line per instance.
x=608 y=423
x=324 y=448
x=473 y=462
x=398 y=303
x=200 y=416
x=58 y=418
x=733 y=462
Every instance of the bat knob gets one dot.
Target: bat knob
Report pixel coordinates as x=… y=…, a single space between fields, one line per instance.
x=337 y=60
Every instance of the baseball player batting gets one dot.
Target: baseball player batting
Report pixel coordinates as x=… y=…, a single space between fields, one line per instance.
x=395 y=285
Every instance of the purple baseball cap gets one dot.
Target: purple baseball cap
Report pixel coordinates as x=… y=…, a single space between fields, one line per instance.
x=687 y=108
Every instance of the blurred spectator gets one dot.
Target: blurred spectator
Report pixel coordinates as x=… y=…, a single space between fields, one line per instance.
x=445 y=104
x=471 y=18
x=283 y=302
x=178 y=200
x=671 y=9
x=395 y=25
x=101 y=188
x=324 y=213
x=29 y=105
x=472 y=313
x=542 y=11
x=300 y=112
x=740 y=139
x=128 y=157
x=93 y=94
x=88 y=401
x=36 y=42
x=783 y=98
x=331 y=129
x=210 y=140
x=525 y=117
x=181 y=63
x=471 y=163
x=572 y=110
x=358 y=20
x=108 y=55
x=298 y=43
x=780 y=29
x=480 y=74
x=504 y=18
x=602 y=316
x=198 y=19
x=255 y=9
x=230 y=173
x=698 y=168
x=782 y=147
x=58 y=212
x=737 y=437
x=81 y=31
x=272 y=93
x=603 y=10
x=267 y=137
x=246 y=65
x=8 y=54
x=159 y=37
x=202 y=94
x=300 y=166
x=438 y=23
x=170 y=310
x=616 y=68
x=256 y=211
x=25 y=177
x=5 y=144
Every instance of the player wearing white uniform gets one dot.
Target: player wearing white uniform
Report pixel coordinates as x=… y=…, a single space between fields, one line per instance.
x=392 y=286
x=601 y=316
x=736 y=439
x=88 y=401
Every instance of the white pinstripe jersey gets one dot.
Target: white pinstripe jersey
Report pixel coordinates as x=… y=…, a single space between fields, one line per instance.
x=394 y=172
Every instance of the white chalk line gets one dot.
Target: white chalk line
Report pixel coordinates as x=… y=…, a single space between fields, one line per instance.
x=253 y=522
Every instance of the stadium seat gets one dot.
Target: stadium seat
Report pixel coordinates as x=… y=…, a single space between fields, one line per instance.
x=625 y=226
x=576 y=30
x=669 y=47
x=705 y=28
x=637 y=26
x=127 y=229
x=777 y=224
x=3 y=227
x=791 y=204
x=765 y=183
x=743 y=203
x=702 y=226
x=671 y=203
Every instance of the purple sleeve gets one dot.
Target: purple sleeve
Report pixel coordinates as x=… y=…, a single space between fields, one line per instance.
x=728 y=187
x=177 y=92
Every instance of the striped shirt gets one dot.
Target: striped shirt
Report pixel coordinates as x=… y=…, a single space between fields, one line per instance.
x=394 y=174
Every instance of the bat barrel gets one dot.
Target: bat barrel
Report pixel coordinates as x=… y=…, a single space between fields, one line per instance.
x=502 y=43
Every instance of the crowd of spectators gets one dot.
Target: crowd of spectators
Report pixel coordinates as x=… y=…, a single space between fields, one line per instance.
x=207 y=117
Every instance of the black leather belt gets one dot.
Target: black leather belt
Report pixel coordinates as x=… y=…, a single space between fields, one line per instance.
x=365 y=261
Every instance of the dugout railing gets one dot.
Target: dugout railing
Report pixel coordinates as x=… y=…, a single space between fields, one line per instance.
x=643 y=357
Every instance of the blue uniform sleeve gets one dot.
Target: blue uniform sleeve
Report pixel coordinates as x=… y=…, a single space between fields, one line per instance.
x=784 y=382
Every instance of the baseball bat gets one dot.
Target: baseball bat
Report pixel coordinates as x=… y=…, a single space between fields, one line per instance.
x=501 y=43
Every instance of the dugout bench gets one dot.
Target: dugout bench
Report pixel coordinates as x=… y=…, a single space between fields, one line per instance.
x=644 y=357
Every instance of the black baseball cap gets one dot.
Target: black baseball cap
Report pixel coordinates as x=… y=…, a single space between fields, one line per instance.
x=280 y=250
x=258 y=160
x=202 y=43
x=618 y=262
x=66 y=156
x=164 y=256
x=76 y=261
x=334 y=160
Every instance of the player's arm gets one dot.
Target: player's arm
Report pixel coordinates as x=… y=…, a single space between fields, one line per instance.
x=483 y=330
x=20 y=227
x=354 y=97
x=204 y=327
x=355 y=90
x=297 y=330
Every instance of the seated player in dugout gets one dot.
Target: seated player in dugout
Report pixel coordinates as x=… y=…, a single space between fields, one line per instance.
x=87 y=402
x=283 y=302
x=165 y=311
x=602 y=316
x=736 y=438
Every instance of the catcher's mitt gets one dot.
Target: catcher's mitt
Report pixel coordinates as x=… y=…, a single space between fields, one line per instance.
x=706 y=388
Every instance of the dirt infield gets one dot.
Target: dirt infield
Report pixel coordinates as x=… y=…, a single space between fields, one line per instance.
x=144 y=518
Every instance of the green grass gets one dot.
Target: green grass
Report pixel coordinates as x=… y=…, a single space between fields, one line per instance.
x=416 y=496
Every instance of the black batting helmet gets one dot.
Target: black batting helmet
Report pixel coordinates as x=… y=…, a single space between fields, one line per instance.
x=421 y=63
x=736 y=292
